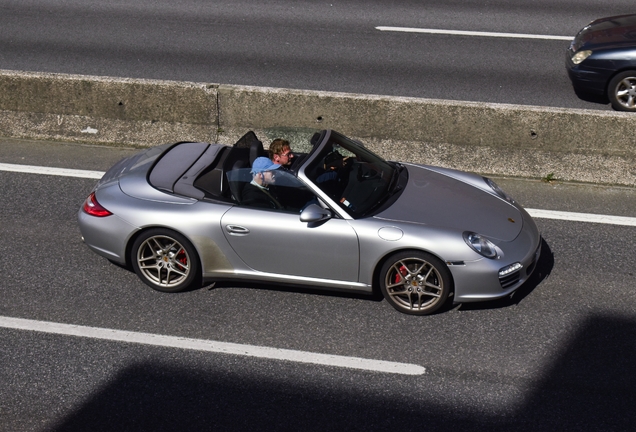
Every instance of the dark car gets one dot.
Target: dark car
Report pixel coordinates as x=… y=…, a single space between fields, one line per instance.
x=601 y=60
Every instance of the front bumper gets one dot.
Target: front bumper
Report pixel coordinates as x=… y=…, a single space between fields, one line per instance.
x=480 y=281
x=587 y=79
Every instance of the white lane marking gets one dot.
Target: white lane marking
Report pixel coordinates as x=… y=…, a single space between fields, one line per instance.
x=582 y=217
x=536 y=213
x=30 y=169
x=473 y=33
x=212 y=346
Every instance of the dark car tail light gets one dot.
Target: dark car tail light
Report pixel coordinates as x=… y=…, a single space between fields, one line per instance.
x=93 y=208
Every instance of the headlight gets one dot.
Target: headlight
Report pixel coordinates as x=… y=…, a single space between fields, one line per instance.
x=480 y=244
x=510 y=269
x=498 y=190
x=580 y=56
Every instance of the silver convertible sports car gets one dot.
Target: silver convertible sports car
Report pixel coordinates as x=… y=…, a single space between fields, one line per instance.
x=339 y=218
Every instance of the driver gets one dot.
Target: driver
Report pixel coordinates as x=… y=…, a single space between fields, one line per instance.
x=256 y=193
x=330 y=178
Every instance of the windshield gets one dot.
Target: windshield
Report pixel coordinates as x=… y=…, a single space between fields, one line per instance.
x=355 y=178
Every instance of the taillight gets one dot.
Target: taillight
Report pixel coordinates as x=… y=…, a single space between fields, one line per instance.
x=93 y=208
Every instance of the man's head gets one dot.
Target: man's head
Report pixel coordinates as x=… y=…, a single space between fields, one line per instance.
x=280 y=152
x=262 y=171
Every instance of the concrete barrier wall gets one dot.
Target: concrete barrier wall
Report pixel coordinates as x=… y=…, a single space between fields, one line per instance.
x=105 y=110
x=512 y=140
x=496 y=139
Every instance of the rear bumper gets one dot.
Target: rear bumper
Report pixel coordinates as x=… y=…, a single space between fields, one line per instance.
x=105 y=236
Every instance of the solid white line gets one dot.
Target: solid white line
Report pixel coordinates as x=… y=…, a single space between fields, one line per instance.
x=212 y=346
x=473 y=33
x=536 y=213
x=30 y=169
x=582 y=217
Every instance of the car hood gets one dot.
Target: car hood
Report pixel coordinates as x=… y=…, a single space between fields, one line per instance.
x=440 y=200
x=608 y=32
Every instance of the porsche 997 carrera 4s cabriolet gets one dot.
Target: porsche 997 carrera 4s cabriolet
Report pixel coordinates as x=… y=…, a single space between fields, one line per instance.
x=342 y=219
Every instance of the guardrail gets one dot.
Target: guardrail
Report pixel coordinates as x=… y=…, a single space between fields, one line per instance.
x=496 y=139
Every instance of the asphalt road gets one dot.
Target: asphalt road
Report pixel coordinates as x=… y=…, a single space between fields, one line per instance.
x=331 y=45
x=559 y=355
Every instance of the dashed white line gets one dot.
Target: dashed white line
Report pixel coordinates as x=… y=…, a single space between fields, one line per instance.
x=65 y=172
x=535 y=213
x=212 y=346
x=582 y=217
x=473 y=33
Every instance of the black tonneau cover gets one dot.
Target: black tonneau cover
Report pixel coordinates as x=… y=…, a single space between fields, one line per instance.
x=177 y=169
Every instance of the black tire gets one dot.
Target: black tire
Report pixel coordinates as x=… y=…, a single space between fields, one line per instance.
x=165 y=260
x=621 y=91
x=415 y=283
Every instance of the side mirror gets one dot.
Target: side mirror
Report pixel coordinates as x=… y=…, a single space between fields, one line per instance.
x=314 y=213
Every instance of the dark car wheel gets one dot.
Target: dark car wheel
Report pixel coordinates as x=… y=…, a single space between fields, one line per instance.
x=415 y=283
x=165 y=260
x=622 y=91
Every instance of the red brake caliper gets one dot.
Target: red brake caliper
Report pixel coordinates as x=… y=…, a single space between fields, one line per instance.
x=182 y=257
x=403 y=272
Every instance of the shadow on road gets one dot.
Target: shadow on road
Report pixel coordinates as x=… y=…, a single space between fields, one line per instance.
x=591 y=97
x=590 y=386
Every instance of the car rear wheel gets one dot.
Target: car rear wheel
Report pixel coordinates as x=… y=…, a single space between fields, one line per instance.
x=622 y=91
x=165 y=260
x=415 y=283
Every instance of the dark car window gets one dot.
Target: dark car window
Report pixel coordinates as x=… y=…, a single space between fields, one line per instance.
x=354 y=177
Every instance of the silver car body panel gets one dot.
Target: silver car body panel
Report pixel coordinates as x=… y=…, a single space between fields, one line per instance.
x=262 y=239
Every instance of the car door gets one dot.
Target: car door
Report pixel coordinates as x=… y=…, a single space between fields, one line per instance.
x=278 y=242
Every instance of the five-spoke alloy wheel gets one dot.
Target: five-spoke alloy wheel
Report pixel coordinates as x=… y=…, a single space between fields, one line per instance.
x=622 y=91
x=165 y=260
x=415 y=283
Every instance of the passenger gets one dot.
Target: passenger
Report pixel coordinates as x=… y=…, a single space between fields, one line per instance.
x=280 y=153
x=257 y=193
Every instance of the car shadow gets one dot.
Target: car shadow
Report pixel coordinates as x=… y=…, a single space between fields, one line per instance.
x=541 y=272
x=296 y=289
x=591 y=97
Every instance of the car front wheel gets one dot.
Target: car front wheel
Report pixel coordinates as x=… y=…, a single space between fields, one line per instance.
x=622 y=91
x=165 y=260
x=415 y=283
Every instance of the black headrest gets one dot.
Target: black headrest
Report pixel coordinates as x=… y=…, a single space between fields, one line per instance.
x=256 y=150
x=246 y=140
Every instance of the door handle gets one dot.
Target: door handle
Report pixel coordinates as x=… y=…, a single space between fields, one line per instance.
x=237 y=229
